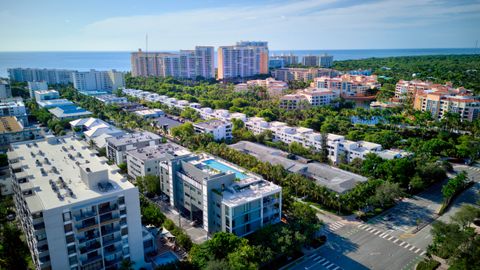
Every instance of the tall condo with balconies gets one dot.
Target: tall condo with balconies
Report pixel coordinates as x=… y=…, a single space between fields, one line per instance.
x=77 y=212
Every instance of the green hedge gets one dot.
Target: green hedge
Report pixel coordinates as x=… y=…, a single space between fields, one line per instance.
x=428 y=265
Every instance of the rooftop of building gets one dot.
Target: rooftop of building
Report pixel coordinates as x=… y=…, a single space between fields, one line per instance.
x=164 y=150
x=149 y=112
x=130 y=138
x=109 y=97
x=210 y=124
x=12 y=102
x=69 y=111
x=53 y=168
x=10 y=124
x=243 y=191
x=335 y=179
x=54 y=102
x=44 y=92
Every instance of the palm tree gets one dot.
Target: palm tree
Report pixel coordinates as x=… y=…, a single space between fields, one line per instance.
x=126 y=265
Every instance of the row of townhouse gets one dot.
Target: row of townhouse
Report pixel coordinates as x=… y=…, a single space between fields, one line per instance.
x=339 y=147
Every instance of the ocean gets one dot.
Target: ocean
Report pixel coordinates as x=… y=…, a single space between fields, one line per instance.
x=121 y=60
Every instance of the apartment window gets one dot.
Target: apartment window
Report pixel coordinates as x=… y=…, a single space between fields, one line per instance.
x=121 y=200
x=126 y=251
x=67 y=227
x=41 y=236
x=124 y=231
x=123 y=212
x=73 y=260
x=70 y=238
x=71 y=250
x=67 y=216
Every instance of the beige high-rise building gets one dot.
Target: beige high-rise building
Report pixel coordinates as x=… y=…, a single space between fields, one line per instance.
x=245 y=59
x=188 y=64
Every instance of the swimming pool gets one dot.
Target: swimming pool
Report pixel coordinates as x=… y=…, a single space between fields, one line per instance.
x=224 y=168
x=165 y=258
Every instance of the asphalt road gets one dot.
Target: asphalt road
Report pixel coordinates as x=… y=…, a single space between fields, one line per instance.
x=388 y=241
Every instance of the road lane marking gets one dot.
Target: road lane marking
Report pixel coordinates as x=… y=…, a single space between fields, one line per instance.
x=407 y=246
x=418 y=250
x=325 y=263
x=361 y=226
x=423 y=253
x=385 y=236
x=413 y=247
x=381 y=235
x=378 y=232
x=370 y=229
x=396 y=240
x=390 y=238
x=336 y=268
x=331 y=264
x=403 y=243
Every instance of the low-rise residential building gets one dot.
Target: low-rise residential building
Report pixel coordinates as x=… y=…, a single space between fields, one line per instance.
x=14 y=107
x=146 y=161
x=347 y=85
x=274 y=88
x=118 y=146
x=12 y=130
x=220 y=130
x=96 y=130
x=5 y=90
x=35 y=86
x=150 y=113
x=76 y=211
x=41 y=95
x=339 y=149
x=309 y=96
x=218 y=195
x=332 y=178
x=302 y=74
x=69 y=112
x=111 y=99
x=405 y=90
x=440 y=101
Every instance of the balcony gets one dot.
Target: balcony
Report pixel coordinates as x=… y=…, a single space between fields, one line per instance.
x=106 y=209
x=108 y=218
x=86 y=224
x=90 y=247
x=88 y=238
x=91 y=259
x=111 y=240
x=114 y=261
x=106 y=231
x=84 y=215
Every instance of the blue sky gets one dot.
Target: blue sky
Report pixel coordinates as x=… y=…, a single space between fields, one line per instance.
x=121 y=25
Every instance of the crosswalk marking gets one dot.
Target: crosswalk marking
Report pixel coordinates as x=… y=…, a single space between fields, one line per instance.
x=362 y=226
x=325 y=263
x=385 y=236
x=407 y=245
x=390 y=238
x=377 y=232
x=396 y=240
x=403 y=243
x=336 y=268
x=418 y=250
x=423 y=253
x=413 y=247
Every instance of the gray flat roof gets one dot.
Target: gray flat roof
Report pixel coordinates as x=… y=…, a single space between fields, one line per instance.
x=333 y=178
x=164 y=150
x=133 y=138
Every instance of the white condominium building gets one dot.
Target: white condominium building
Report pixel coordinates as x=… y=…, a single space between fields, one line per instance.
x=188 y=64
x=94 y=80
x=118 y=146
x=220 y=130
x=14 y=107
x=5 y=90
x=77 y=212
x=51 y=76
x=338 y=147
x=34 y=86
x=42 y=95
x=245 y=59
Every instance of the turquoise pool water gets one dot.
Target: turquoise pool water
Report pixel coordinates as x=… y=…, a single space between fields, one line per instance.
x=224 y=168
x=165 y=258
